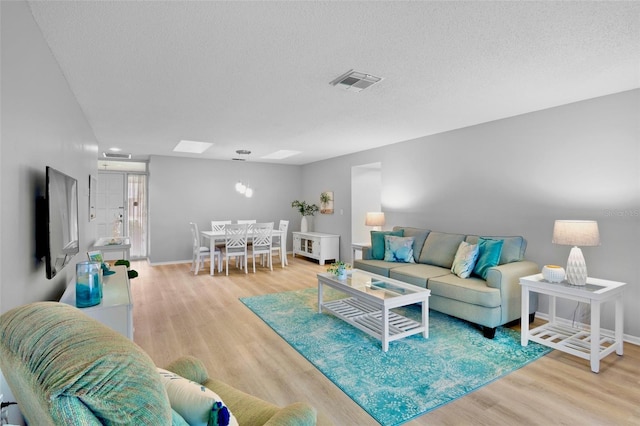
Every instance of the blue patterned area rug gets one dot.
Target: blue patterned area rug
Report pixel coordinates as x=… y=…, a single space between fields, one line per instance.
x=415 y=376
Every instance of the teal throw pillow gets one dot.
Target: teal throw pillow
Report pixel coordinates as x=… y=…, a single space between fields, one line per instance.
x=377 y=242
x=488 y=256
x=398 y=249
x=465 y=259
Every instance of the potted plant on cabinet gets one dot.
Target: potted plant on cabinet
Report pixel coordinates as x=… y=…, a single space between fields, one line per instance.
x=305 y=210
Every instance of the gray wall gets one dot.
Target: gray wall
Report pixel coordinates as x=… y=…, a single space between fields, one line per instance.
x=515 y=177
x=183 y=190
x=42 y=125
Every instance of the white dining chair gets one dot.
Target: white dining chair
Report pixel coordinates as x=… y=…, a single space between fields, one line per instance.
x=200 y=252
x=261 y=245
x=235 y=244
x=249 y=222
x=276 y=245
x=218 y=225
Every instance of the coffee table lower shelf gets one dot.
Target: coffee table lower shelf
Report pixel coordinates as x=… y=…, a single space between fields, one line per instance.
x=368 y=318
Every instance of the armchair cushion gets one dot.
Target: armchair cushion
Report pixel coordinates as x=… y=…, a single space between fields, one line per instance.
x=62 y=365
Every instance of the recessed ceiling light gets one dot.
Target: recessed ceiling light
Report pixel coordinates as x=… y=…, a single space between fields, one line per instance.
x=115 y=149
x=279 y=155
x=192 y=147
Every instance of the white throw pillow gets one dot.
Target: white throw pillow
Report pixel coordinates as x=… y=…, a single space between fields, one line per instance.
x=465 y=259
x=197 y=404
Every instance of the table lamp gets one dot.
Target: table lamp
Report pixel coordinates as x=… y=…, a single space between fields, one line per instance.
x=576 y=233
x=375 y=219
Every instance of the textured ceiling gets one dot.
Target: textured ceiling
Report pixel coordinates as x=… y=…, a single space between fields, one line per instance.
x=255 y=75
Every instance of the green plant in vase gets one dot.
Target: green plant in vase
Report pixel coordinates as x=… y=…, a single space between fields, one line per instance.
x=339 y=269
x=305 y=210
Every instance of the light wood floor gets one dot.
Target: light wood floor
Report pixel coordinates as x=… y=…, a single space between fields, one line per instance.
x=177 y=313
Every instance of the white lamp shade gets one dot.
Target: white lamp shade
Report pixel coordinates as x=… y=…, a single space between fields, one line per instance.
x=576 y=233
x=374 y=219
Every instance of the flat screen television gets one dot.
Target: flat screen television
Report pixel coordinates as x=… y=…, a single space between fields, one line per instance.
x=60 y=221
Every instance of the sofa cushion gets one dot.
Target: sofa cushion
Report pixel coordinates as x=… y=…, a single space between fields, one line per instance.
x=417 y=273
x=377 y=242
x=471 y=290
x=197 y=404
x=440 y=248
x=513 y=248
x=488 y=256
x=379 y=267
x=465 y=259
x=419 y=235
x=398 y=249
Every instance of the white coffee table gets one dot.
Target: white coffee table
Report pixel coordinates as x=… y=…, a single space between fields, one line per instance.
x=589 y=343
x=369 y=306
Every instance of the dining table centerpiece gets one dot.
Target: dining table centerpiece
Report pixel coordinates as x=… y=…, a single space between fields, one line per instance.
x=305 y=210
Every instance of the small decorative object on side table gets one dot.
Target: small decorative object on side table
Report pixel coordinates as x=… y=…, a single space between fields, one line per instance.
x=553 y=273
x=588 y=344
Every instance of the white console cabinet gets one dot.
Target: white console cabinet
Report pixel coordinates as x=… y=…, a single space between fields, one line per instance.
x=316 y=245
x=116 y=308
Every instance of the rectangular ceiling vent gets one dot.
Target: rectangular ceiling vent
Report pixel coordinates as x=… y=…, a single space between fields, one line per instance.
x=117 y=155
x=355 y=81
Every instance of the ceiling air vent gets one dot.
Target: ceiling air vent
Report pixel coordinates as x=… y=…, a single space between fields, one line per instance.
x=355 y=81
x=117 y=155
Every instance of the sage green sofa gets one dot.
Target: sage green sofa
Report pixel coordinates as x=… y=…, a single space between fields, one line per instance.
x=489 y=302
x=65 y=368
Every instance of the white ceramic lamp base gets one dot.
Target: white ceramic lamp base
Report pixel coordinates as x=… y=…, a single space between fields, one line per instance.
x=576 y=267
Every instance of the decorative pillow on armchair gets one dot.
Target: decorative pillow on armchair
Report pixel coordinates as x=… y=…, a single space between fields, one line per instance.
x=465 y=259
x=398 y=249
x=195 y=403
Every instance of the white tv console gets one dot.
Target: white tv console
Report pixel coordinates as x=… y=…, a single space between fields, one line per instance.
x=316 y=245
x=116 y=308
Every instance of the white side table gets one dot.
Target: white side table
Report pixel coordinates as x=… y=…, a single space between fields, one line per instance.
x=357 y=247
x=587 y=344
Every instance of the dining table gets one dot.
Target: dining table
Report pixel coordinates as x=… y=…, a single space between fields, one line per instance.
x=219 y=236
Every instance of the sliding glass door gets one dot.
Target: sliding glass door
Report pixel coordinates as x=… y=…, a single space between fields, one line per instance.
x=137 y=214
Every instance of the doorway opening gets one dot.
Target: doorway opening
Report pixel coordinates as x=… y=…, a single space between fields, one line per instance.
x=122 y=206
x=366 y=196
